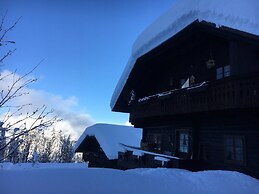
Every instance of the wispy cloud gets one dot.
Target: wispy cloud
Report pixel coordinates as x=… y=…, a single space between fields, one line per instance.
x=72 y=123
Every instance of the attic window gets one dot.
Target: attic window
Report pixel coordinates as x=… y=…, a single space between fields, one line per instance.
x=219 y=73
x=227 y=71
x=223 y=72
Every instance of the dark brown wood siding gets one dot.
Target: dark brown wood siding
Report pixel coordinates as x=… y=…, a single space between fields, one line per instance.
x=208 y=134
x=213 y=140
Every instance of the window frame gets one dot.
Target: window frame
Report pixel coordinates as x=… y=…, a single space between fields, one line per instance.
x=188 y=133
x=234 y=147
x=184 y=148
x=226 y=71
x=219 y=73
x=223 y=72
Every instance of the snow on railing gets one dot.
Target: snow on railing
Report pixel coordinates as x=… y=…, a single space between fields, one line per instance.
x=139 y=152
x=197 y=86
x=168 y=93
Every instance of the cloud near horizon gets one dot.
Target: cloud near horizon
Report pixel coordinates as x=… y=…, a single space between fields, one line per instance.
x=73 y=123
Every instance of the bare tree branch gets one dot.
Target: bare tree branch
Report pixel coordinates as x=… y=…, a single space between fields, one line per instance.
x=17 y=85
x=10 y=153
x=38 y=119
x=2 y=21
x=9 y=53
x=8 y=29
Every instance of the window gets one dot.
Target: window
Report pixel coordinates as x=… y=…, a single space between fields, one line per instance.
x=183 y=142
x=227 y=71
x=219 y=73
x=223 y=72
x=234 y=149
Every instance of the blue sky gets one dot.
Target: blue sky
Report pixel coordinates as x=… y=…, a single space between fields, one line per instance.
x=85 y=46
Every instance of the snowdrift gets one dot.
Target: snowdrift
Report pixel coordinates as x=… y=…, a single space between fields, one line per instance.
x=15 y=179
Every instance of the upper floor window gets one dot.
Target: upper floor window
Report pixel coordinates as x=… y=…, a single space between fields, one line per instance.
x=234 y=149
x=227 y=71
x=223 y=72
x=219 y=73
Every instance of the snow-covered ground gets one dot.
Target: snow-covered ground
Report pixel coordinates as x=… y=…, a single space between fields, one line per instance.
x=77 y=179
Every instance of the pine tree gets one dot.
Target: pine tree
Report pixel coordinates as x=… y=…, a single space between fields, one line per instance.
x=46 y=155
x=35 y=156
x=67 y=151
x=2 y=141
x=25 y=148
x=13 y=148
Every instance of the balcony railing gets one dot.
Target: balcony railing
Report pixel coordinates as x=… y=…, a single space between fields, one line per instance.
x=229 y=93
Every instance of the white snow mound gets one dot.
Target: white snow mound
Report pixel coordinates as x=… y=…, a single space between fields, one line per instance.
x=96 y=181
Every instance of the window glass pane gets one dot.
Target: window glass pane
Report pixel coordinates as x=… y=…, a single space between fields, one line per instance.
x=229 y=148
x=229 y=141
x=239 y=154
x=234 y=148
x=219 y=73
x=227 y=71
x=239 y=141
x=183 y=142
x=229 y=153
x=239 y=148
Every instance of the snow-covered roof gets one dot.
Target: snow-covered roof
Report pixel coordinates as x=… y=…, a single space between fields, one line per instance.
x=242 y=15
x=110 y=137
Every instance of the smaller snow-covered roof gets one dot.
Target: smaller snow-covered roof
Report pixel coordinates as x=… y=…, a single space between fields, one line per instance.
x=110 y=137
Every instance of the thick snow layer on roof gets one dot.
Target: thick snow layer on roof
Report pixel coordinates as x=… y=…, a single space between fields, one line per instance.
x=242 y=15
x=110 y=137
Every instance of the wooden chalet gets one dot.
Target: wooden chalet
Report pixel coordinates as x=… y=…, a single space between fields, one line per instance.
x=196 y=96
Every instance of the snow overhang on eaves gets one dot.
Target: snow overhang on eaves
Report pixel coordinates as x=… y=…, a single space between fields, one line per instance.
x=242 y=15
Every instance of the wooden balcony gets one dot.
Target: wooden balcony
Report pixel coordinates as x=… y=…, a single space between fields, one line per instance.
x=235 y=92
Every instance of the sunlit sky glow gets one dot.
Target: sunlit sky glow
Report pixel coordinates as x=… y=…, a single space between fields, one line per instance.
x=85 y=46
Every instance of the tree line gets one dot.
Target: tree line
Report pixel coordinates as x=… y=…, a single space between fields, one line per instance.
x=38 y=146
